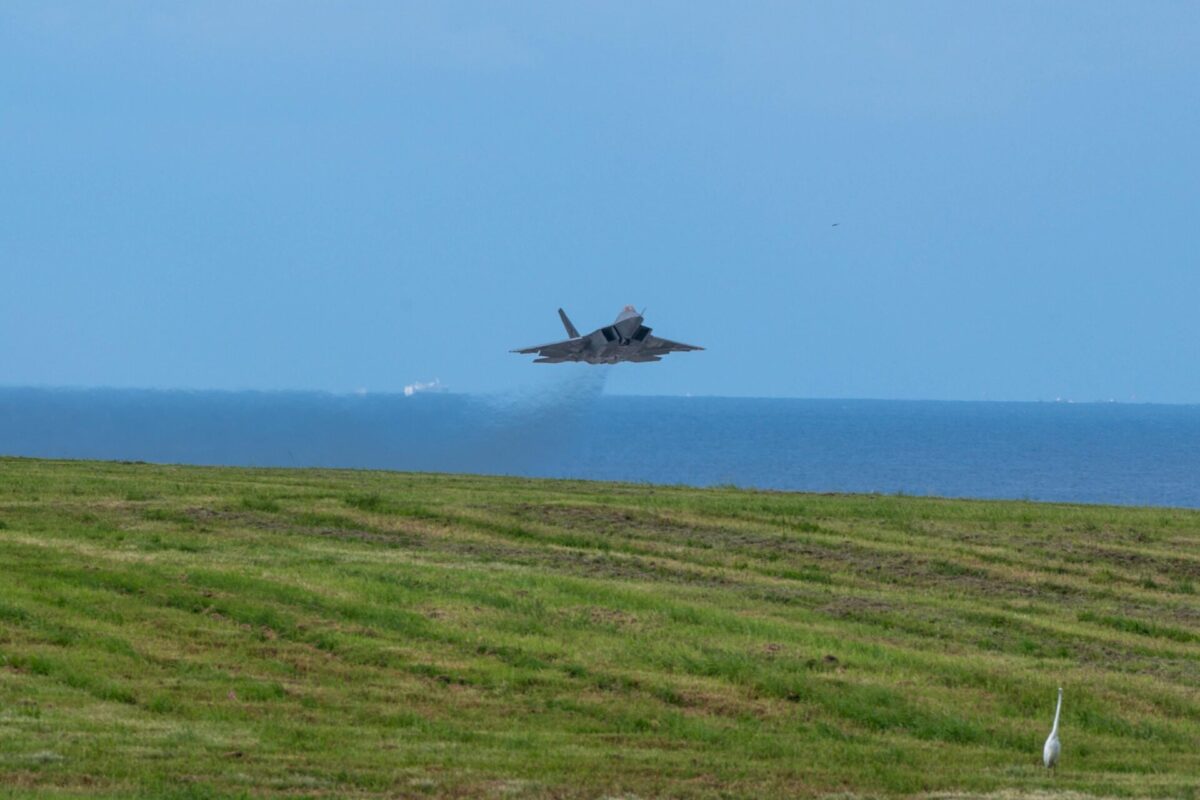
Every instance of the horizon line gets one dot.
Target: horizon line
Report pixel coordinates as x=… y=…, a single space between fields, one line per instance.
x=444 y=391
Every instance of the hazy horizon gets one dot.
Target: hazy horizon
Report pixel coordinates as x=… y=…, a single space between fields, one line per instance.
x=533 y=388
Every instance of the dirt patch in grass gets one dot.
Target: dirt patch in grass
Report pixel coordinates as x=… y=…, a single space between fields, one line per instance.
x=628 y=522
x=611 y=616
x=205 y=514
x=856 y=608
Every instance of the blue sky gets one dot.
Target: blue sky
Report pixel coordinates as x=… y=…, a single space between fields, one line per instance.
x=362 y=195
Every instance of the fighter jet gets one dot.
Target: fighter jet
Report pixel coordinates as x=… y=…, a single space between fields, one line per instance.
x=627 y=339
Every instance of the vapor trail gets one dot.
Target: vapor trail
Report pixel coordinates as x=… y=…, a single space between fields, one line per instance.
x=534 y=429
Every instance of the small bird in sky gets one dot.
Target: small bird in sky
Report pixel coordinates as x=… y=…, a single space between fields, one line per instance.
x=834 y=225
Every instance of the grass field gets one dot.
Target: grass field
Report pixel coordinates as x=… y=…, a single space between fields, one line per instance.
x=199 y=632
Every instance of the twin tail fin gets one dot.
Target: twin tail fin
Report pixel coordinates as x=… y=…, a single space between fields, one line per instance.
x=574 y=334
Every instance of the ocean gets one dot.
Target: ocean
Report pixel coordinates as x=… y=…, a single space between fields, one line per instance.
x=1087 y=452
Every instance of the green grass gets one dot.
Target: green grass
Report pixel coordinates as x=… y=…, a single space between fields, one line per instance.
x=197 y=632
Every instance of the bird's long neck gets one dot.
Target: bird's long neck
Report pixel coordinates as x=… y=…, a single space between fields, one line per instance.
x=1057 y=711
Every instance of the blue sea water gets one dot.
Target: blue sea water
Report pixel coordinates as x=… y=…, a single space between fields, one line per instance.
x=1091 y=453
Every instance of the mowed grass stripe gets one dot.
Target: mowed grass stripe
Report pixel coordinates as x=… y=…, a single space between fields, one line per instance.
x=217 y=632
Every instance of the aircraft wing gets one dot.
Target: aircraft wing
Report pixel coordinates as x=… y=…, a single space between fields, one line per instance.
x=563 y=349
x=655 y=345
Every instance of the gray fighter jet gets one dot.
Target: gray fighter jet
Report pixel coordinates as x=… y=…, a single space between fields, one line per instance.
x=627 y=339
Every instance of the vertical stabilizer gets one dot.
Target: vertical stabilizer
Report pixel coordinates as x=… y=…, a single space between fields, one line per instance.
x=574 y=334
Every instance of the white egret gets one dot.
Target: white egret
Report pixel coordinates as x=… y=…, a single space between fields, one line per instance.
x=1052 y=748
